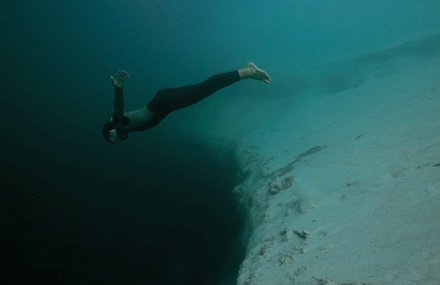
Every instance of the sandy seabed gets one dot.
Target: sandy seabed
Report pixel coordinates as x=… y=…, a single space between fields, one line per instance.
x=346 y=189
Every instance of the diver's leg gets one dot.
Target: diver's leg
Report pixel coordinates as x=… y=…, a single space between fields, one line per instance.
x=171 y=99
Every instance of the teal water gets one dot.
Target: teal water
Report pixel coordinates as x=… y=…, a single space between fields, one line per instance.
x=159 y=208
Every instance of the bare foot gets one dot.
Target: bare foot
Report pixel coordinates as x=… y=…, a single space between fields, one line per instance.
x=251 y=71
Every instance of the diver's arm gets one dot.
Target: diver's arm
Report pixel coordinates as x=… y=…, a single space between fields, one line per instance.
x=131 y=120
x=119 y=82
x=119 y=103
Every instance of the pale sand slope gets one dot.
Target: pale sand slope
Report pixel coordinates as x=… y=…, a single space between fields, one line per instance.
x=368 y=193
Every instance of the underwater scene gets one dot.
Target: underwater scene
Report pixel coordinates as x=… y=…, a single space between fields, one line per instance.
x=220 y=142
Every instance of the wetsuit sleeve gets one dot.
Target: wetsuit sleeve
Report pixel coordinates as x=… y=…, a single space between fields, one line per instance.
x=118 y=113
x=119 y=103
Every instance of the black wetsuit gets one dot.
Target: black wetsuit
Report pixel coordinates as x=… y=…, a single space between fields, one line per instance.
x=171 y=99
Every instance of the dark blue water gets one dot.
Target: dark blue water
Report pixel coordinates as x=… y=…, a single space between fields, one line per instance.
x=157 y=209
x=132 y=216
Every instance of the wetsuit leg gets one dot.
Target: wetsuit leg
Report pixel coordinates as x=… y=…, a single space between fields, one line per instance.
x=171 y=99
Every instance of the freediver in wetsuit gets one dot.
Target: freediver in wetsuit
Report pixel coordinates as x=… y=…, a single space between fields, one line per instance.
x=168 y=100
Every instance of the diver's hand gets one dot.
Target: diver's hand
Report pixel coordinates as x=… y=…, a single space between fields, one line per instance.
x=121 y=77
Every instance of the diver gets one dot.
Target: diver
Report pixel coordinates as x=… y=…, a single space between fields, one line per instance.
x=168 y=100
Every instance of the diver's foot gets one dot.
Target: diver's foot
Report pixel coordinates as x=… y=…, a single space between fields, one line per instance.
x=251 y=71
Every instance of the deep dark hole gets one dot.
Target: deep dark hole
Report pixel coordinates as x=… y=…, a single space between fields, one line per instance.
x=157 y=214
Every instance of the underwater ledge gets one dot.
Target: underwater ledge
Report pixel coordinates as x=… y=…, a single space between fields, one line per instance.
x=346 y=190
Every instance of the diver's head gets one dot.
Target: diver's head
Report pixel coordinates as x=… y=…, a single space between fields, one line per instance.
x=113 y=135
